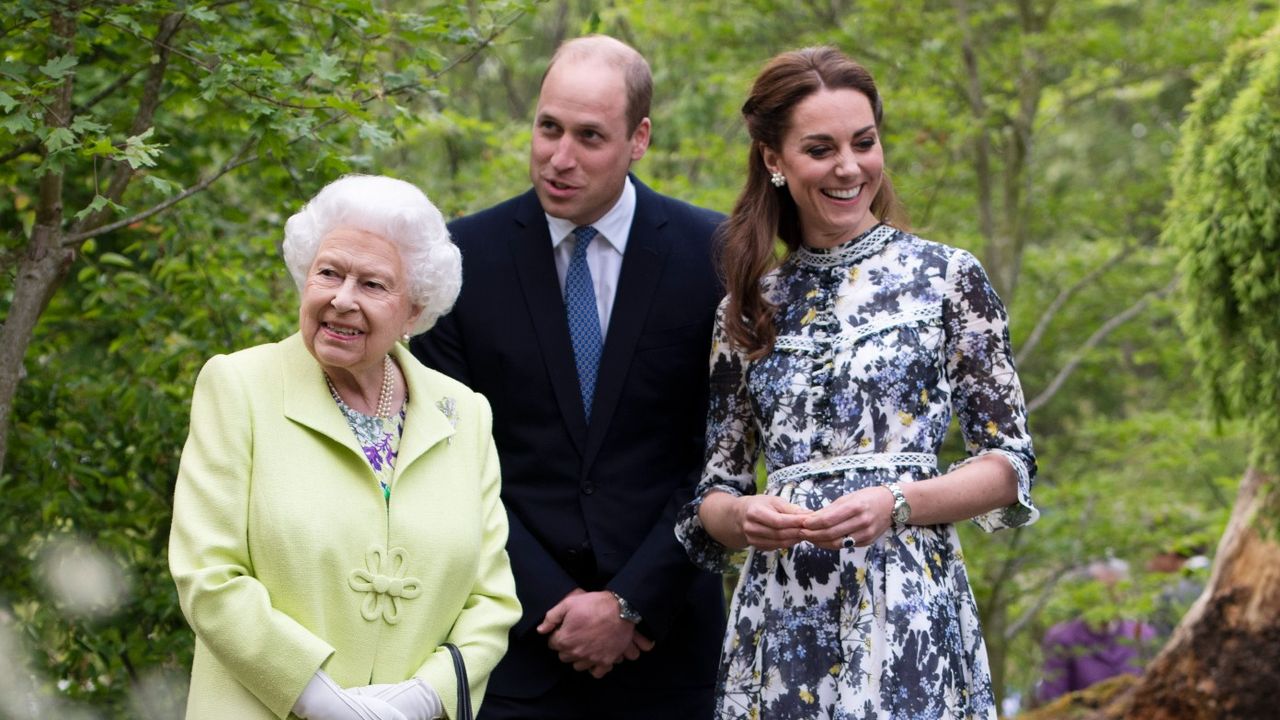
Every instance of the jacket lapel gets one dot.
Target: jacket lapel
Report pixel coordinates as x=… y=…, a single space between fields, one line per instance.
x=307 y=402
x=429 y=418
x=306 y=397
x=647 y=249
x=531 y=250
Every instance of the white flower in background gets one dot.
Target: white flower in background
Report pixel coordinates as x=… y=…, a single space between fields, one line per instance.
x=82 y=580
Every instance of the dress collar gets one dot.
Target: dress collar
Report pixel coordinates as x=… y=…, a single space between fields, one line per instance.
x=846 y=253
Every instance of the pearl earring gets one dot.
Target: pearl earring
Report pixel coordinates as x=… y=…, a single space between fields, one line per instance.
x=777 y=178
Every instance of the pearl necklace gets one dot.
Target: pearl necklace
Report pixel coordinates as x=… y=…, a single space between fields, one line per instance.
x=384 y=397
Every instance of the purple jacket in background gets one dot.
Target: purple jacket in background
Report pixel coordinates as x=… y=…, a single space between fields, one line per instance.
x=1077 y=655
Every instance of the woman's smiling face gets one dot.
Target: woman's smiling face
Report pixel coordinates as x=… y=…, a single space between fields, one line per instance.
x=833 y=161
x=355 y=302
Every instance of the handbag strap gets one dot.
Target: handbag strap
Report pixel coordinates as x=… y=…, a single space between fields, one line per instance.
x=464 y=689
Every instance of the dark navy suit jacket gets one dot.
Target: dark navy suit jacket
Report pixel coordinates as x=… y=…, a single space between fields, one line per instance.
x=593 y=505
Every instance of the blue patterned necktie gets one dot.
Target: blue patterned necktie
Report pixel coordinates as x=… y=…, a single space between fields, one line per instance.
x=584 y=319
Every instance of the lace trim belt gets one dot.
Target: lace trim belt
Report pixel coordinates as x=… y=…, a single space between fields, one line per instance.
x=791 y=473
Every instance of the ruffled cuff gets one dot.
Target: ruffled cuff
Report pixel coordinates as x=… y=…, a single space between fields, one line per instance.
x=704 y=551
x=1022 y=512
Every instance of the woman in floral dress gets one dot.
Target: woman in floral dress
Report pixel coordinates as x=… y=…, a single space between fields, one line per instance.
x=842 y=365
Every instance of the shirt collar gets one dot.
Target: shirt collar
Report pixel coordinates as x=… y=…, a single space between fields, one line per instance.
x=614 y=226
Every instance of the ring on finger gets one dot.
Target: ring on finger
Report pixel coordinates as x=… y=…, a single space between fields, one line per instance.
x=847 y=543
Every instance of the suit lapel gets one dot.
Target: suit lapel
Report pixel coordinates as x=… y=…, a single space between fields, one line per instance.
x=647 y=249
x=531 y=250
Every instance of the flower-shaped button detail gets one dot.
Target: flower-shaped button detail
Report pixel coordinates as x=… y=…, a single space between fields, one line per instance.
x=384 y=584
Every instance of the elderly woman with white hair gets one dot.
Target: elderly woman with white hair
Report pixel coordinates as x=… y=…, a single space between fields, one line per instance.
x=337 y=523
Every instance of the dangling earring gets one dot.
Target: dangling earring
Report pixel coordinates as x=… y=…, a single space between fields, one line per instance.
x=777 y=178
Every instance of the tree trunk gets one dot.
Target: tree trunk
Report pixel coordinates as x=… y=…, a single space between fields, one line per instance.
x=40 y=272
x=1223 y=660
x=45 y=262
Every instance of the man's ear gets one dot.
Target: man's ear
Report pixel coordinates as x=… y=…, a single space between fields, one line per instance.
x=640 y=139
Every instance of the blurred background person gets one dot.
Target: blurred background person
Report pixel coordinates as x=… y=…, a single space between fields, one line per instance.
x=1183 y=582
x=1079 y=653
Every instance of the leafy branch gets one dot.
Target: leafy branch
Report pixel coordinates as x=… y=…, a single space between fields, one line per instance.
x=1097 y=337
x=1050 y=312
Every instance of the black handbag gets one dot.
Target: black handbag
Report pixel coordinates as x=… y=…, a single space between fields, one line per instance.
x=464 y=689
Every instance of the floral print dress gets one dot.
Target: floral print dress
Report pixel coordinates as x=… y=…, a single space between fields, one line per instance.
x=878 y=340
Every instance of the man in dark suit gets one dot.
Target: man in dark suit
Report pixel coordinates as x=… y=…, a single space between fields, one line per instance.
x=585 y=318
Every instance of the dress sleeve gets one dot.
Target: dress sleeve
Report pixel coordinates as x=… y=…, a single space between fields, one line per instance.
x=986 y=394
x=270 y=653
x=731 y=449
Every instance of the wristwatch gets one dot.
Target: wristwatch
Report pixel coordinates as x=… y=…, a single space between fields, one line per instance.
x=626 y=610
x=901 y=508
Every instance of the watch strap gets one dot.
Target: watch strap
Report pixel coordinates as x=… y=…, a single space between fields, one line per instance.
x=901 y=512
x=626 y=610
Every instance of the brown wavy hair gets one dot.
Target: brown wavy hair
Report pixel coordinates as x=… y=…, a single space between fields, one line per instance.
x=763 y=214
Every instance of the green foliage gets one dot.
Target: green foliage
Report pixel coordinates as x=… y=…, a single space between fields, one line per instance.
x=312 y=87
x=1224 y=220
x=1128 y=487
x=102 y=418
x=300 y=93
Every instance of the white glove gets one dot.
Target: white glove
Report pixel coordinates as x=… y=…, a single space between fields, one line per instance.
x=413 y=697
x=323 y=699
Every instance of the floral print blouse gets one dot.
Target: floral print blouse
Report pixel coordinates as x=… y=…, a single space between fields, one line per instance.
x=879 y=340
x=379 y=438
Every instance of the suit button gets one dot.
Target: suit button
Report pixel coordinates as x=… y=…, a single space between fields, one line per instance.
x=588 y=488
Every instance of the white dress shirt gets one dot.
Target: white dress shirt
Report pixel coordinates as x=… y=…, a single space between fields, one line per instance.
x=604 y=256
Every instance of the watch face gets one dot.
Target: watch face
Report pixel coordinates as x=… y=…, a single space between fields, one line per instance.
x=901 y=512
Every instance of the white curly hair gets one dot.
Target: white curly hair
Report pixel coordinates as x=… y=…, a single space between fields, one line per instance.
x=392 y=209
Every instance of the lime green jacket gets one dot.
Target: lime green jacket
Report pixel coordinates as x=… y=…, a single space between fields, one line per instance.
x=288 y=559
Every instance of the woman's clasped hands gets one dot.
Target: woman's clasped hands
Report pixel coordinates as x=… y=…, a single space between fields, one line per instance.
x=324 y=699
x=769 y=522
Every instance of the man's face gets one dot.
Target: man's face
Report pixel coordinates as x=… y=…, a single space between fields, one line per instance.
x=581 y=150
